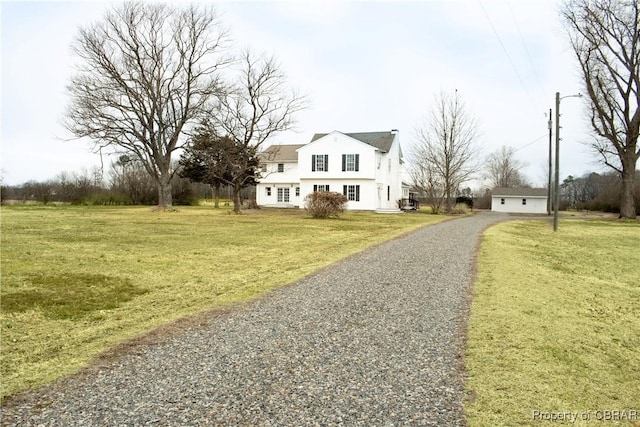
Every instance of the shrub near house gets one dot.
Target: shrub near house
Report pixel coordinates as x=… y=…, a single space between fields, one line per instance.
x=325 y=204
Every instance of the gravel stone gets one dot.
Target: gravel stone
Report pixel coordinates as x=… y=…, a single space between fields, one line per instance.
x=373 y=340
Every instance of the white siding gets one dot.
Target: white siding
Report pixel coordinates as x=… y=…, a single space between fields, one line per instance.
x=368 y=191
x=513 y=204
x=335 y=145
x=272 y=175
x=264 y=199
x=273 y=180
x=390 y=177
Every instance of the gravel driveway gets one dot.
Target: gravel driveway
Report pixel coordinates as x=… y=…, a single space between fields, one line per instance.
x=373 y=340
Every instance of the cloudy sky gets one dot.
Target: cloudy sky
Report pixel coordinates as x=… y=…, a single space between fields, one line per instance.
x=365 y=65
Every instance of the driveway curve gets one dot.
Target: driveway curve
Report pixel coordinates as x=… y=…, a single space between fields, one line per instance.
x=373 y=340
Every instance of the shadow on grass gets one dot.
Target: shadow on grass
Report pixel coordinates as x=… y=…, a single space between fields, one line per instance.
x=70 y=295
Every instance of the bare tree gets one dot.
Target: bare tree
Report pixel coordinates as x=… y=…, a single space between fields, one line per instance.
x=253 y=109
x=447 y=144
x=426 y=181
x=503 y=169
x=605 y=36
x=146 y=72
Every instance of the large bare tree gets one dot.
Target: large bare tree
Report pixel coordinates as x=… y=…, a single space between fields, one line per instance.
x=258 y=105
x=447 y=148
x=605 y=36
x=146 y=71
x=503 y=169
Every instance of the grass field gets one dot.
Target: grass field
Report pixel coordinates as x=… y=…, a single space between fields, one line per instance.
x=77 y=280
x=555 y=325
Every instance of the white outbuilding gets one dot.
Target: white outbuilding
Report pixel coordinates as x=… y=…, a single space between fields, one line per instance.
x=519 y=200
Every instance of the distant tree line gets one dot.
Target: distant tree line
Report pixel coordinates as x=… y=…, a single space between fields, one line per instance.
x=128 y=183
x=595 y=192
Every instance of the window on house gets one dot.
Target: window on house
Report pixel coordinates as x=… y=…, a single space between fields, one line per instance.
x=264 y=168
x=350 y=162
x=283 y=195
x=321 y=187
x=524 y=201
x=297 y=191
x=280 y=167
x=268 y=189
x=320 y=163
x=352 y=192
x=502 y=201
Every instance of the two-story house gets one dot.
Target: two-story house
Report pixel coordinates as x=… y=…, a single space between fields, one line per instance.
x=366 y=167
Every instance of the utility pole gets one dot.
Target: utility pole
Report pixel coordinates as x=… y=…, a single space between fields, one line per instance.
x=556 y=187
x=556 y=196
x=549 y=182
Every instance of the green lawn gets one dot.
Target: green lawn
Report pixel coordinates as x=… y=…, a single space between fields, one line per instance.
x=555 y=325
x=77 y=280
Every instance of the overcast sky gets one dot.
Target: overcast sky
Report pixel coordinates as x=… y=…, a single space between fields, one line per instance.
x=366 y=66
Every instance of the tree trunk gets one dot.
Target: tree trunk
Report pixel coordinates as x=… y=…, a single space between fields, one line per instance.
x=216 y=196
x=236 y=198
x=627 y=205
x=447 y=203
x=164 y=191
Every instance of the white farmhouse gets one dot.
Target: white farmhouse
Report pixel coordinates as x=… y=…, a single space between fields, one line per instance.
x=366 y=167
x=519 y=200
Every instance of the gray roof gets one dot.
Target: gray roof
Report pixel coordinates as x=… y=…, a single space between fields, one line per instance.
x=380 y=140
x=519 y=192
x=281 y=153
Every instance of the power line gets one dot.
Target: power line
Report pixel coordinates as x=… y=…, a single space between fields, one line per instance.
x=507 y=53
x=530 y=143
x=524 y=44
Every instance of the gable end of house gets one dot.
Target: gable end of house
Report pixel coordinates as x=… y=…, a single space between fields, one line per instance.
x=380 y=140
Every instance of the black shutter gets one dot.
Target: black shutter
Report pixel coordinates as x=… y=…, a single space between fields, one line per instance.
x=313 y=163
x=357 y=162
x=326 y=163
x=344 y=162
x=315 y=188
x=357 y=193
x=344 y=190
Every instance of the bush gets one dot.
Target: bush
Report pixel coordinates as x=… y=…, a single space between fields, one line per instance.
x=325 y=204
x=466 y=200
x=459 y=209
